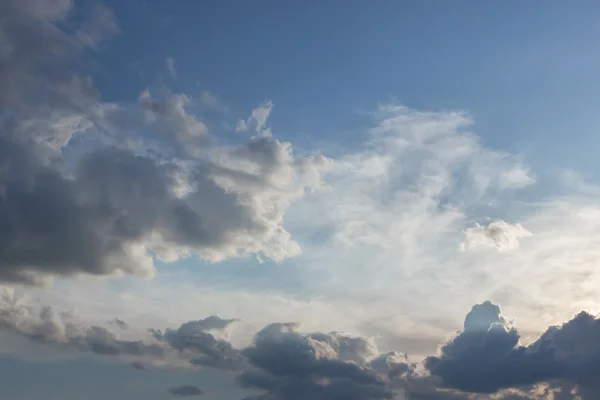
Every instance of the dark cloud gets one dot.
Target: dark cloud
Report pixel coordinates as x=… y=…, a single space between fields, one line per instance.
x=194 y=341
x=486 y=357
x=185 y=390
x=285 y=364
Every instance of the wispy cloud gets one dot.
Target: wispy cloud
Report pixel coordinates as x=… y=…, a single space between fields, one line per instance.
x=170 y=65
x=257 y=121
x=213 y=102
x=499 y=234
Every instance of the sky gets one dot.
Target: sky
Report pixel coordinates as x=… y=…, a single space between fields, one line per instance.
x=263 y=200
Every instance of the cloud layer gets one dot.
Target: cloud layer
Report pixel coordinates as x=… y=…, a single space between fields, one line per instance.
x=486 y=360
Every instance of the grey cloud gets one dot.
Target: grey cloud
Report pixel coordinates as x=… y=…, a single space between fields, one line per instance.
x=168 y=116
x=119 y=323
x=139 y=365
x=194 y=342
x=486 y=357
x=47 y=326
x=185 y=390
x=112 y=209
x=98 y=27
x=288 y=365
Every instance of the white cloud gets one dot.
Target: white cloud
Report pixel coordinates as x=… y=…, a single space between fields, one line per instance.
x=498 y=234
x=257 y=120
x=170 y=64
x=517 y=177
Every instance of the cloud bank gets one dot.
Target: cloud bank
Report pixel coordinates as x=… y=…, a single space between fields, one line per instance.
x=486 y=360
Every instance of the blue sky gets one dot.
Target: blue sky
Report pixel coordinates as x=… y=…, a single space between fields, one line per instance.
x=511 y=65
x=412 y=184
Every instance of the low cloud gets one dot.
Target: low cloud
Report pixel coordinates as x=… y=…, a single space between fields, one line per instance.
x=48 y=326
x=499 y=235
x=194 y=342
x=487 y=357
x=486 y=360
x=290 y=365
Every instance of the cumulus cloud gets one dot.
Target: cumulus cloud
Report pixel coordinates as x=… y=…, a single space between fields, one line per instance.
x=290 y=365
x=116 y=206
x=185 y=390
x=486 y=356
x=498 y=234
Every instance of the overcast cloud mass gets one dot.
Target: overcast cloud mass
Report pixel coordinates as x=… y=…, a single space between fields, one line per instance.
x=222 y=204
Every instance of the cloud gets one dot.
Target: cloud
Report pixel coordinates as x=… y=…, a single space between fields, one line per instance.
x=61 y=329
x=170 y=64
x=100 y=26
x=257 y=120
x=119 y=323
x=194 y=342
x=290 y=365
x=484 y=361
x=486 y=356
x=115 y=206
x=168 y=115
x=185 y=390
x=516 y=178
x=241 y=126
x=498 y=234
